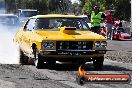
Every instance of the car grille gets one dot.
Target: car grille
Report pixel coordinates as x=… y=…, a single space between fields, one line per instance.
x=74 y=45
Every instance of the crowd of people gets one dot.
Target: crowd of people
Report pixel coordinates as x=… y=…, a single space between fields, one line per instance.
x=97 y=17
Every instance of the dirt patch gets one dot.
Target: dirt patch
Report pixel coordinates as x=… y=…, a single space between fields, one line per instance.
x=120 y=56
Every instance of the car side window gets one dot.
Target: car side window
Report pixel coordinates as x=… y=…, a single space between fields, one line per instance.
x=30 y=25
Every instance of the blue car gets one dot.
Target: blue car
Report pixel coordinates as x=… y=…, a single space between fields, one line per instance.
x=9 y=22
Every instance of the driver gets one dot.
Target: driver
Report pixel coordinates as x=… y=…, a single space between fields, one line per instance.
x=53 y=24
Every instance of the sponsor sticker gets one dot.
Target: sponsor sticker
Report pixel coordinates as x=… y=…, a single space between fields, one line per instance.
x=84 y=77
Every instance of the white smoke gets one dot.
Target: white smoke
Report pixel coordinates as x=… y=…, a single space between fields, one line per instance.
x=9 y=53
x=8 y=50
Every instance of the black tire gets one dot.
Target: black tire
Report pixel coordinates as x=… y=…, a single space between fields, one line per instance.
x=38 y=60
x=51 y=62
x=23 y=59
x=81 y=80
x=79 y=62
x=98 y=63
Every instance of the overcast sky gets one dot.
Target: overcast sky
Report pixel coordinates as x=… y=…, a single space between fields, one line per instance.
x=74 y=1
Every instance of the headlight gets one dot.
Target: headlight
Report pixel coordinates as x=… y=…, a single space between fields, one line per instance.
x=104 y=43
x=100 y=44
x=97 y=44
x=48 y=44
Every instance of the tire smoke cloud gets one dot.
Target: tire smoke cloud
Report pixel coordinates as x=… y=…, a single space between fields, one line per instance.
x=9 y=53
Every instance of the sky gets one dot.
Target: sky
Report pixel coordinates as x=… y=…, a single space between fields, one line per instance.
x=74 y=1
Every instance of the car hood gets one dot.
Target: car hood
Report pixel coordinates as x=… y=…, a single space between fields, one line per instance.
x=78 y=35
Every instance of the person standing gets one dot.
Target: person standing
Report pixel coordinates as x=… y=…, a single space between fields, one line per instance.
x=96 y=18
x=109 y=24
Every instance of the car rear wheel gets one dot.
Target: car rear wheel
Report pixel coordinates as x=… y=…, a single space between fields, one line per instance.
x=23 y=59
x=98 y=62
x=38 y=60
x=79 y=62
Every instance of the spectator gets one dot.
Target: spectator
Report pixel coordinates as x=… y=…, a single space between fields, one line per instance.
x=96 y=18
x=109 y=24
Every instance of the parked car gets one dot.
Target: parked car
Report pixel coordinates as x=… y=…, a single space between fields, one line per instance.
x=9 y=20
x=121 y=31
x=64 y=38
x=24 y=14
x=121 y=34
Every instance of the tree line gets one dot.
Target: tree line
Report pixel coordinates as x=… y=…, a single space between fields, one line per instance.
x=121 y=8
x=43 y=6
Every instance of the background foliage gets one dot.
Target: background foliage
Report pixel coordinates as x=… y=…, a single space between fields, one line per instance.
x=121 y=8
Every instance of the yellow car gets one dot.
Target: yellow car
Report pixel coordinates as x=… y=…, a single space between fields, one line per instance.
x=65 y=38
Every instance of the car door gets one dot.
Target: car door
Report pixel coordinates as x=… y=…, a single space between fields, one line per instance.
x=27 y=34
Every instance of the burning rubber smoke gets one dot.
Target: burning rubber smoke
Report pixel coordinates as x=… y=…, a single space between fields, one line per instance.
x=9 y=53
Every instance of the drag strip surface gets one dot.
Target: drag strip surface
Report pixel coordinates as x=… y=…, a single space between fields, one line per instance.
x=64 y=76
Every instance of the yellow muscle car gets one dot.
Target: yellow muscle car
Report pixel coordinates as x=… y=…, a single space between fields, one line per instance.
x=53 y=37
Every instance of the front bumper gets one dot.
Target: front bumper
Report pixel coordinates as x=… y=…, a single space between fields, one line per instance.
x=72 y=52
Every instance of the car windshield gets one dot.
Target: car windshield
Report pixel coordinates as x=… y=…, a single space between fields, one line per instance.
x=86 y=19
x=28 y=13
x=9 y=20
x=56 y=23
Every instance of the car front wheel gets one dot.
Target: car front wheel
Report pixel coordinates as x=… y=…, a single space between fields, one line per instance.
x=38 y=60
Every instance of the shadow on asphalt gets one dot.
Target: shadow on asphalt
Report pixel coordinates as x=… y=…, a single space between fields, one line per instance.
x=87 y=67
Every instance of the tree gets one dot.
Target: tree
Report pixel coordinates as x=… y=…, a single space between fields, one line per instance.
x=43 y=6
x=58 y=6
x=82 y=2
x=75 y=8
x=10 y=6
x=121 y=8
x=89 y=4
x=40 y=5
